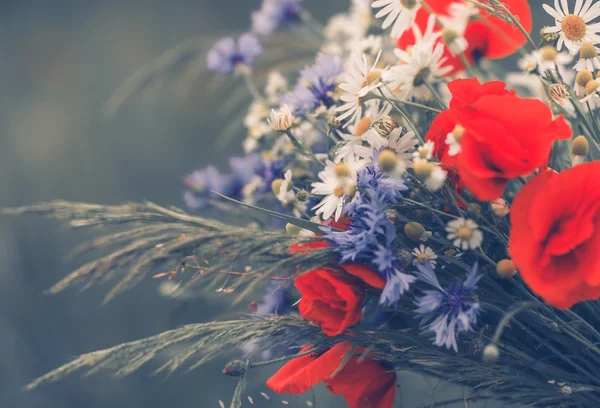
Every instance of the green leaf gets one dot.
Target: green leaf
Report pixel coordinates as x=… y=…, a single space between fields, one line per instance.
x=308 y=225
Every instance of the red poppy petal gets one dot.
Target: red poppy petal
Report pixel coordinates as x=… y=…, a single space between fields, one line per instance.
x=504 y=39
x=294 y=377
x=305 y=247
x=367 y=275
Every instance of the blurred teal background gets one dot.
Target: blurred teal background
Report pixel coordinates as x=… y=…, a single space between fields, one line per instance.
x=61 y=61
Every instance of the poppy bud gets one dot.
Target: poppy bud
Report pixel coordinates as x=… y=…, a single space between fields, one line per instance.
x=490 y=354
x=506 y=268
x=292 y=229
x=235 y=368
x=580 y=146
x=414 y=231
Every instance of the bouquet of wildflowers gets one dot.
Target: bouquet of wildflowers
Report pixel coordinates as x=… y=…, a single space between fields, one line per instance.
x=403 y=204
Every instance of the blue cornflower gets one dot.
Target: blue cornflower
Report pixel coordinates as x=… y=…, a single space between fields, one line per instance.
x=315 y=86
x=227 y=53
x=397 y=282
x=448 y=312
x=273 y=14
x=370 y=240
x=269 y=170
x=301 y=100
x=246 y=167
x=201 y=182
x=377 y=185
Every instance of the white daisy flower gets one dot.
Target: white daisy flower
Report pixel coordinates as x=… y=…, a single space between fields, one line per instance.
x=286 y=194
x=545 y=60
x=464 y=234
x=459 y=15
x=574 y=28
x=588 y=58
x=276 y=86
x=423 y=64
x=282 y=119
x=397 y=154
x=375 y=111
x=453 y=140
x=359 y=81
x=338 y=185
x=424 y=153
x=400 y=13
x=424 y=253
x=436 y=179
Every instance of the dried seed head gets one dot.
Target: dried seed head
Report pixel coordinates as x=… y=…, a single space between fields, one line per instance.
x=506 y=268
x=548 y=37
x=385 y=126
x=580 y=146
x=405 y=257
x=392 y=215
x=333 y=122
x=414 y=231
x=302 y=196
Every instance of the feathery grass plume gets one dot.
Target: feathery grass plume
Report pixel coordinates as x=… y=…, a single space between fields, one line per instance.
x=523 y=378
x=167 y=239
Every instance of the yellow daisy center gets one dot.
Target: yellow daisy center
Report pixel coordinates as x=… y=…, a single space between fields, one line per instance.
x=573 y=27
x=338 y=191
x=464 y=233
x=409 y=4
x=422 y=258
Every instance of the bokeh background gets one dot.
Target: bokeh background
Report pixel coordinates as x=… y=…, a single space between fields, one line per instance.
x=61 y=61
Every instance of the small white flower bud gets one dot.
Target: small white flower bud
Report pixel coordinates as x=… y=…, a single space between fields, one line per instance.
x=283 y=119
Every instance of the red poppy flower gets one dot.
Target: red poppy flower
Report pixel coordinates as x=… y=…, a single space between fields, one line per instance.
x=488 y=36
x=555 y=235
x=364 y=383
x=504 y=136
x=332 y=298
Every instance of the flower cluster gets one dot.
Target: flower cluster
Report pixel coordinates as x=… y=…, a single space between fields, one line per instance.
x=426 y=199
x=409 y=159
